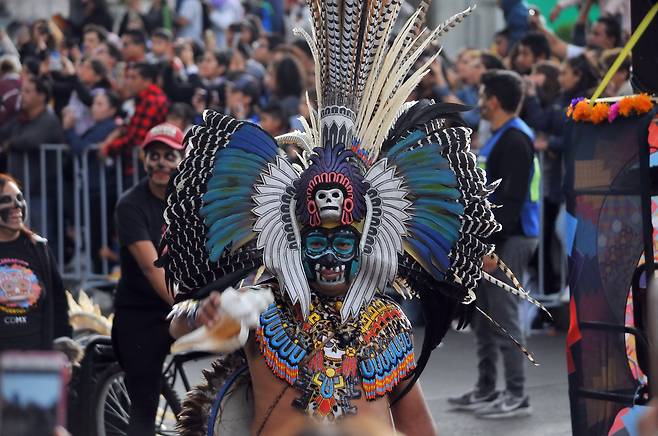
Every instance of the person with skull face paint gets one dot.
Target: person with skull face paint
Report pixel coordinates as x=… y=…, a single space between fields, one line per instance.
x=33 y=306
x=140 y=331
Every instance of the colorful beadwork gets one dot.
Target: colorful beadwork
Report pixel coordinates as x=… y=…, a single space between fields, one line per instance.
x=332 y=364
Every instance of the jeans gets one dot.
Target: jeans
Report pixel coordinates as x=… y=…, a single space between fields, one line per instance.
x=503 y=308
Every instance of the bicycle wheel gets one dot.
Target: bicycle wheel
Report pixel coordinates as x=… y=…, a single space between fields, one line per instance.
x=112 y=406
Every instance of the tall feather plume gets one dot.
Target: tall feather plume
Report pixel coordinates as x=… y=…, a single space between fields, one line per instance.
x=362 y=71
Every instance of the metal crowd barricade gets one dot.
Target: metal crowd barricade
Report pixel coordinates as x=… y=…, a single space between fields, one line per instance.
x=63 y=189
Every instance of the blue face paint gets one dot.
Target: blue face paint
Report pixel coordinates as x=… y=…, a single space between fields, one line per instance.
x=335 y=249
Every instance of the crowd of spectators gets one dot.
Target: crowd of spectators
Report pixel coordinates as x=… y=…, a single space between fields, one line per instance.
x=96 y=79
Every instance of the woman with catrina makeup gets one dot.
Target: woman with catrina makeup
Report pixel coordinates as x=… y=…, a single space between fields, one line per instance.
x=140 y=332
x=33 y=307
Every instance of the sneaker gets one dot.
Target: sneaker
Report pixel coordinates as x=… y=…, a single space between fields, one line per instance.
x=472 y=401
x=506 y=406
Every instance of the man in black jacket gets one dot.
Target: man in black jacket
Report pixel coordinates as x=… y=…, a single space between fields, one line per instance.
x=507 y=156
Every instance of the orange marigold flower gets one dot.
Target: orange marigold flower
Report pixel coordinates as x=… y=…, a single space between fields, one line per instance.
x=626 y=105
x=642 y=103
x=600 y=113
x=569 y=111
x=582 y=111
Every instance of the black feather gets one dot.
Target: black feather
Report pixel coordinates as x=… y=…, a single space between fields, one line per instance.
x=421 y=114
x=440 y=304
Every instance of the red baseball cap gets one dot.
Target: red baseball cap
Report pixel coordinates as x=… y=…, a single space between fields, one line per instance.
x=166 y=133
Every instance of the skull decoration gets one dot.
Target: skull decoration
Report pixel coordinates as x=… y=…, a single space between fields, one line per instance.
x=329 y=203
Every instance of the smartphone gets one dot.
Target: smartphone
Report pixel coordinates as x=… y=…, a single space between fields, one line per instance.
x=32 y=392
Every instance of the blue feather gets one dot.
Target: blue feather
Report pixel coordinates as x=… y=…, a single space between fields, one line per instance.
x=218 y=242
x=227 y=205
x=237 y=165
x=217 y=227
x=438 y=246
x=219 y=194
x=444 y=226
x=402 y=145
x=254 y=140
x=437 y=205
x=423 y=255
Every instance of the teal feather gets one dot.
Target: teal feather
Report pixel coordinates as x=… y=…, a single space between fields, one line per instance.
x=219 y=225
x=218 y=242
x=439 y=206
x=447 y=227
x=226 y=205
x=402 y=145
x=219 y=194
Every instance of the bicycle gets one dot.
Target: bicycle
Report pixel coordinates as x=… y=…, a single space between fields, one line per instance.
x=99 y=404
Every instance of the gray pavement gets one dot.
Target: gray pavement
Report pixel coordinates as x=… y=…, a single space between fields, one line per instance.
x=451 y=371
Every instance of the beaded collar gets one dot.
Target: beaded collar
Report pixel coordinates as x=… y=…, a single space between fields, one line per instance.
x=332 y=363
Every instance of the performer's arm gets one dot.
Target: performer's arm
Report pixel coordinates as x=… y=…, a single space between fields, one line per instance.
x=411 y=415
x=205 y=312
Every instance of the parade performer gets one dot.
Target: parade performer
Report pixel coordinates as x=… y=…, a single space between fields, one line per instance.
x=298 y=259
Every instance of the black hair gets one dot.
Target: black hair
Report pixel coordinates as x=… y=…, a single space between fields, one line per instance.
x=223 y=57
x=137 y=37
x=506 y=86
x=274 y=40
x=163 y=33
x=98 y=30
x=31 y=65
x=538 y=44
x=275 y=110
x=112 y=98
x=146 y=70
x=43 y=86
x=491 y=61
x=587 y=72
x=113 y=51
x=98 y=67
x=612 y=29
x=503 y=32
x=183 y=111
x=303 y=46
x=288 y=76
x=549 y=91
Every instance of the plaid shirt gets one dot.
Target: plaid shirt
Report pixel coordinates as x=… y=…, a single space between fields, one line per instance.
x=150 y=110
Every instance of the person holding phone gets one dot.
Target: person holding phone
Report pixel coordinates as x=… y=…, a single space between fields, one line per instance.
x=33 y=306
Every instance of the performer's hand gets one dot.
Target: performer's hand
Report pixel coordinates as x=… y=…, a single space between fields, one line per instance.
x=209 y=313
x=488 y=264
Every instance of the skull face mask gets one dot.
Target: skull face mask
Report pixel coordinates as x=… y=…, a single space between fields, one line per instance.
x=329 y=203
x=330 y=256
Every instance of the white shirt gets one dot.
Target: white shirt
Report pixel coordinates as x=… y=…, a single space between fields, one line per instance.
x=192 y=11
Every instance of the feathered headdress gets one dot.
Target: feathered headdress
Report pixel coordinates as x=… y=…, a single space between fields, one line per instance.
x=410 y=179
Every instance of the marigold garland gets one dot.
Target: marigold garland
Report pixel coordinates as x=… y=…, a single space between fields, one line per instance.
x=581 y=110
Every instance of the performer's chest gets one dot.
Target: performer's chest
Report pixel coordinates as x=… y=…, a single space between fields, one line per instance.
x=332 y=365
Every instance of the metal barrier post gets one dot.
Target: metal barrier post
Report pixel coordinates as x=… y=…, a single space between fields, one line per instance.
x=42 y=180
x=60 y=211
x=104 y=224
x=76 y=216
x=86 y=229
x=26 y=183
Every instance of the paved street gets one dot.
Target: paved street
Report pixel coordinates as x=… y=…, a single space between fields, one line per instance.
x=451 y=370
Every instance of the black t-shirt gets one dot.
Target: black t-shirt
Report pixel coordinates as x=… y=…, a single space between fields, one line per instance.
x=31 y=292
x=139 y=217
